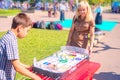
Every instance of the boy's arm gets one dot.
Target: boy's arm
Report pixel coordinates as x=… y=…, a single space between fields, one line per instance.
x=26 y=66
x=22 y=70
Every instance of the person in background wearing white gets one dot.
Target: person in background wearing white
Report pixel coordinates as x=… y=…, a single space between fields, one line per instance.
x=62 y=11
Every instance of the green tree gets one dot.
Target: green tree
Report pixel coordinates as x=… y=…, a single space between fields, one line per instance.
x=115 y=0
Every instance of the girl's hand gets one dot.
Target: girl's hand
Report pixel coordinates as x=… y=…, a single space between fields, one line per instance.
x=90 y=50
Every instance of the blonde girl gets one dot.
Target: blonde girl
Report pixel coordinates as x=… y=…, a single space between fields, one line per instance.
x=83 y=25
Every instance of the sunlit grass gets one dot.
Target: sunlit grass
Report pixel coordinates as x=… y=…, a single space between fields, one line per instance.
x=40 y=44
x=9 y=12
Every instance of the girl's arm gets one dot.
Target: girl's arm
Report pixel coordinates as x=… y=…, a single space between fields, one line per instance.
x=91 y=38
x=70 y=34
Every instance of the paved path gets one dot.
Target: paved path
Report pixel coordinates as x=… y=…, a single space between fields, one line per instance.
x=106 y=52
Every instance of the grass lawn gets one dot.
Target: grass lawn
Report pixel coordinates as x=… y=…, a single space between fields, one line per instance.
x=9 y=12
x=40 y=44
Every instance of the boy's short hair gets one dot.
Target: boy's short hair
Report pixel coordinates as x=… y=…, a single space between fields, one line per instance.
x=21 y=19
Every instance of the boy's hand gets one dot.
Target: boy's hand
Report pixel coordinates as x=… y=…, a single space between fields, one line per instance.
x=30 y=68
x=37 y=78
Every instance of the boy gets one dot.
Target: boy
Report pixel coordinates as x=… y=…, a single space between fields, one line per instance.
x=9 y=57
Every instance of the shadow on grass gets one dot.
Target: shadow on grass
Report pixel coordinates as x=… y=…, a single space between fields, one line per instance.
x=107 y=76
x=104 y=47
x=3 y=16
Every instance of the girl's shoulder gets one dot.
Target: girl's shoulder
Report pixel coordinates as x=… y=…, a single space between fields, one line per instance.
x=92 y=22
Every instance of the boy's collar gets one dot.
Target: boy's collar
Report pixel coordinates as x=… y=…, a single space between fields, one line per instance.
x=12 y=32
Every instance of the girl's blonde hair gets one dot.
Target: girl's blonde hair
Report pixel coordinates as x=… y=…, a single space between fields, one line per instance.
x=89 y=15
